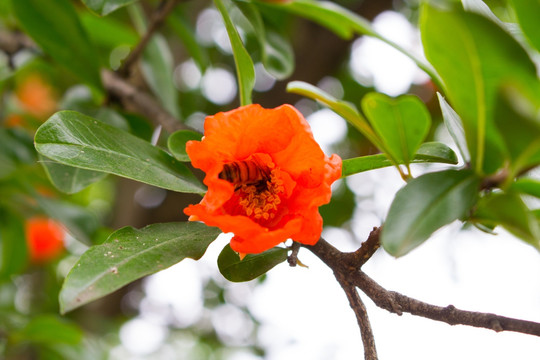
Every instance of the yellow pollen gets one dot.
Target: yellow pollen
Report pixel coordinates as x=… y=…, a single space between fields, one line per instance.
x=262 y=203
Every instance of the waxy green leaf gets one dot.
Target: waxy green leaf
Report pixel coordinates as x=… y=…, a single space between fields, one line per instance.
x=426 y=204
x=13 y=250
x=129 y=254
x=74 y=139
x=401 y=123
x=343 y=108
x=104 y=7
x=244 y=65
x=509 y=211
x=473 y=63
x=453 y=123
x=177 y=143
x=69 y=179
x=277 y=54
x=528 y=13
x=430 y=152
x=526 y=186
x=518 y=122
x=252 y=266
x=55 y=27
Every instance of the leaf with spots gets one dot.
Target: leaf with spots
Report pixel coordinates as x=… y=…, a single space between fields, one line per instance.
x=129 y=254
x=74 y=139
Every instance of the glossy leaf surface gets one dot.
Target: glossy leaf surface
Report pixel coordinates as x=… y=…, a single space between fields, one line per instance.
x=426 y=204
x=252 y=266
x=177 y=143
x=474 y=62
x=401 y=123
x=431 y=152
x=78 y=140
x=129 y=254
x=509 y=211
x=69 y=179
x=528 y=13
x=244 y=65
x=453 y=123
x=104 y=7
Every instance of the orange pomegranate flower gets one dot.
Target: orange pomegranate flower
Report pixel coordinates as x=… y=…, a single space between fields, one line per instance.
x=266 y=177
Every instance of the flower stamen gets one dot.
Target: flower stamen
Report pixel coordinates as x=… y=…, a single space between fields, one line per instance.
x=261 y=200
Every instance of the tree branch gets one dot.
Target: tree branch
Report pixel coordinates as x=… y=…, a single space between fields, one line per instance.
x=163 y=10
x=140 y=101
x=397 y=303
x=370 y=351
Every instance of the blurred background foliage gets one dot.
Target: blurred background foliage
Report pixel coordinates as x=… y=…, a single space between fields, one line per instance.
x=189 y=67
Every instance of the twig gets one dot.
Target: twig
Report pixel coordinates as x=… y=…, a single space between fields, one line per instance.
x=140 y=101
x=398 y=303
x=370 y=351
x=368 y=248
x=163 y=10
x=292 y=259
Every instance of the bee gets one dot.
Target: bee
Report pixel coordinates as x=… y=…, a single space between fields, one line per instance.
x=248 y=172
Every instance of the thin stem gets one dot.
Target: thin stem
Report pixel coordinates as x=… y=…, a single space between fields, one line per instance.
x=140 y=101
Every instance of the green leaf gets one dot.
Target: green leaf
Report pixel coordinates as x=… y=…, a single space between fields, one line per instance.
x=55 y=27
x=401 y=123
x=341 y=207
x=453 y=123
x=509 y=211
x=104 y=7
x=74 y=139
x=473 y=63
x=526 y=186
x=50 y=329
x=177 y=143
x=129 y=254
x=430 y=152
x=528 y=13
x=519 y=125
x=244 y=65
x=277 y=54
x=69 y=179
x=426 y=204
x=107 y=32
x=13 y=250
x=343 y=108
x=252 y=266
x=345 y=24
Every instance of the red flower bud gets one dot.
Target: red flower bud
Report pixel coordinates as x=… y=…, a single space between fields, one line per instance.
x=45 y=239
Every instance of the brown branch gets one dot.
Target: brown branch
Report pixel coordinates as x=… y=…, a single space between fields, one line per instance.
x=163 y=10
x=140 y=101
x=398 y=303
x=11 y=42
x=368 y=340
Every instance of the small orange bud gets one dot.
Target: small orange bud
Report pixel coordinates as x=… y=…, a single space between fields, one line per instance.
x=14 y=120
x=36 y=96
x=45 y=239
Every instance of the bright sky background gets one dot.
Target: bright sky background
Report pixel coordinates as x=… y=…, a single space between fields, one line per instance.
x=304 y=313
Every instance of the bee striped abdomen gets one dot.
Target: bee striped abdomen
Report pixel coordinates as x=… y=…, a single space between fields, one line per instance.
x=242 y=172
